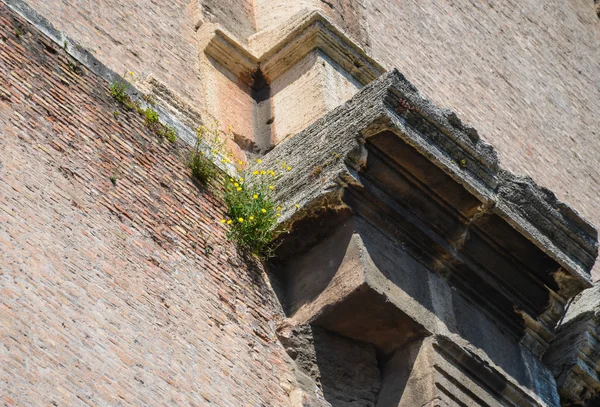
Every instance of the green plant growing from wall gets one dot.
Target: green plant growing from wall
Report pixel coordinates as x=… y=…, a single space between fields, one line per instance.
x=118 y=91
x=252 y=212
x=167 y=132
x=201 y=161
x=150 y=117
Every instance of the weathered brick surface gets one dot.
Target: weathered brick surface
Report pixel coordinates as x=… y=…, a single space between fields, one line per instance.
x=526 y=74
x=108 y=294
x=143 y=36
x=237 y=16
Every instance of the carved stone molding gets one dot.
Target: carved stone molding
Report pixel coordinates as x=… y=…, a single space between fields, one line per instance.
x=304 y=33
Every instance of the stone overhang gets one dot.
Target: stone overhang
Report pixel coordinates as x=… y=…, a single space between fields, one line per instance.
x=408 y=228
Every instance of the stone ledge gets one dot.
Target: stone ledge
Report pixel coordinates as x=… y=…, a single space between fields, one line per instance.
x=393 y=104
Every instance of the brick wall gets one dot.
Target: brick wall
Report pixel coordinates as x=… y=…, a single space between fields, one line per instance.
x=236 y=16
x=526 y=74
x=144 y=36
x=110 y=295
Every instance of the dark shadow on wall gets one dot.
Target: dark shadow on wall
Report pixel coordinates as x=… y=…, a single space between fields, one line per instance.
x=301 y=250
x=352 y=373
x=349 y=370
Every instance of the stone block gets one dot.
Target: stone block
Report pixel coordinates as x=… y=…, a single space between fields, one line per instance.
x=574 y=354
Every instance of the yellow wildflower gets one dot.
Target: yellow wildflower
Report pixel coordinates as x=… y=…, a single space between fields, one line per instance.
x=263 y=210
x=297 y=206
x=202 y=152
x=236 y=184
x=255 y=173
x=231 y=179
x=289 y=168
x=255 y=196
x=223 y=221
x=258 y=160
x=229 y=222
x=239 y=188
x=279 y=208
x=278 y=215
x=271 y=187
x=241 y=220
x=241 y=179
x=262 y=172
x=251 y=217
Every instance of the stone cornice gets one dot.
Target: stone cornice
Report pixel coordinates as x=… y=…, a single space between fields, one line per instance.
x=280 y=51
x=393 y=104
x=428 y=183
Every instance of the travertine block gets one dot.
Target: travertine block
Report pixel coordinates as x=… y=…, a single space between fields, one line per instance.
x=310 y=89
x=307 y=67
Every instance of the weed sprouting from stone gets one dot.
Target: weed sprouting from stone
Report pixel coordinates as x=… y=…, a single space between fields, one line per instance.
x=252 y=212
x=118 y=90
x=167 y=132
x=202 y=167
x=150 y=117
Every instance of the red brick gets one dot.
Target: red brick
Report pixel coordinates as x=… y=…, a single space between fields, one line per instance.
x=86 y=311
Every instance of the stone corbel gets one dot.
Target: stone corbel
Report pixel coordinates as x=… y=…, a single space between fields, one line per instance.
x=574 y=354
x=435 y=372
